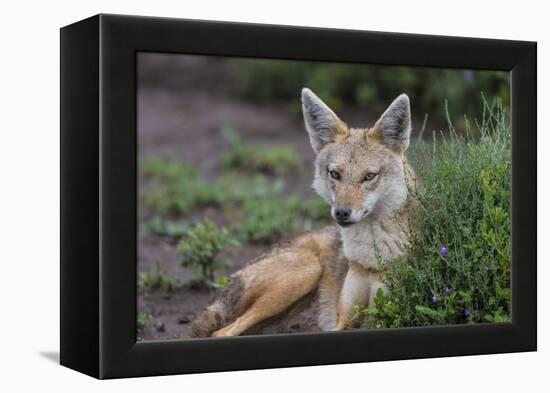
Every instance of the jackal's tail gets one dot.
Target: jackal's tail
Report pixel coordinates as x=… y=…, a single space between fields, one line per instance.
x=224 y=310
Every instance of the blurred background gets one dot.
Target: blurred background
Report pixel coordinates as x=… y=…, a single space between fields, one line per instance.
x=225 y=165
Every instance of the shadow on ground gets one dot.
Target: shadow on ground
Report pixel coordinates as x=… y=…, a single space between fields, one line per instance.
x=52 y=356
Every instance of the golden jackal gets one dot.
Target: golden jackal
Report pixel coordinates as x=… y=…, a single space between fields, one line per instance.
x=364 y=177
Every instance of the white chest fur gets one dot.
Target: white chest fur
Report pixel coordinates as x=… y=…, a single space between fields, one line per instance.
x=368 y=242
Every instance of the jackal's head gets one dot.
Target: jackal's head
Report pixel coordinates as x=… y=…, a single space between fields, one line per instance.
x=360 y=172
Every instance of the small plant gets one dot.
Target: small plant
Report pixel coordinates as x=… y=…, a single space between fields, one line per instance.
x=222 y=282
x=141 y=319
x=239 y=188
x=162 y=227
x=180 y=196
x=258 y=158
x=156 y=279
x=268 y=219
x=179 y=189
x=167 y=169
x=457 y=267
x=200 y=247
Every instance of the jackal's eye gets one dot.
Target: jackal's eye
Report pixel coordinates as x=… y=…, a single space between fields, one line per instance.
x=369 y=176
x=335 y=175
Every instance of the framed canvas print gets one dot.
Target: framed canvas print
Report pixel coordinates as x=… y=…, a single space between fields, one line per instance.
x=239 y=196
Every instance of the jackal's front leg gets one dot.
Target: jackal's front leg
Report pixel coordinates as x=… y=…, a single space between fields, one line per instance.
x=359 y=289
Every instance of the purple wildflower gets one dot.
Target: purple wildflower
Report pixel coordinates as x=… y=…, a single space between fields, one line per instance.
x=466 y=313
x=446 y=291
x=443 y=251
x=434 y=298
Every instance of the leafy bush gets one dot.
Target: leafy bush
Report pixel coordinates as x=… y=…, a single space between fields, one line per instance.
x=277 y=159
x=457 y=268
x=367 y=85
x=156 y=279
x=199 y=249
x=266 y=220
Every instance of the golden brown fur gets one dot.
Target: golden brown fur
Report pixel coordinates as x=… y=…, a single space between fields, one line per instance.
x=323 y=275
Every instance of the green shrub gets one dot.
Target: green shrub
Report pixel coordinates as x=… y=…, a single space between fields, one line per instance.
x=182 y=195
x=180 y=190
x=263 y=212
x=277 y=159
x=457 y=268
x=238 y=188
x=156 y=279
x=268 y=219
x=367 y=85
x=199 y=249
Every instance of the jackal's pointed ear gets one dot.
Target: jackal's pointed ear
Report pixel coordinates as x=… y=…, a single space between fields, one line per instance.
x=393 y=129
x=322 y=124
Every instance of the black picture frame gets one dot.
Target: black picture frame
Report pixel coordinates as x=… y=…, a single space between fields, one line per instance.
x=98 y=195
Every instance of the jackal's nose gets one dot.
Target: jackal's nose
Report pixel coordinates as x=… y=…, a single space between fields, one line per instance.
x=342 y=214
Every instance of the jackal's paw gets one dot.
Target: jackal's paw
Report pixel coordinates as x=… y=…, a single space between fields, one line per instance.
x=340 y=326
x=222 y=333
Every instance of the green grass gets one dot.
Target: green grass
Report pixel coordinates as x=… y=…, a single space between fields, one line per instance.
x=162 y=227
x=277 y=159
x=181 y=195
x=238 y=188
x=268 y=219
x=156 y=279
x=465 y=207
x=167 y=169
x=259 y=207
x=180 y=189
